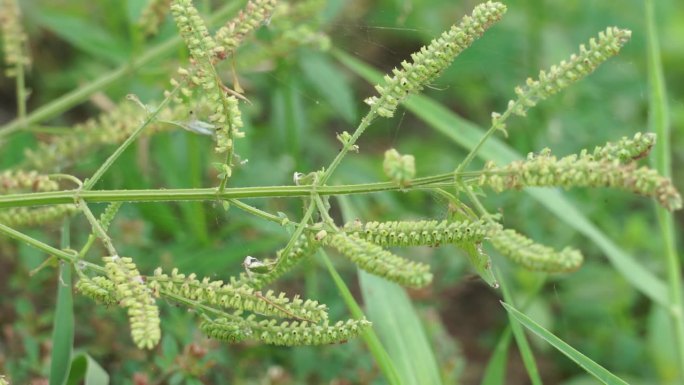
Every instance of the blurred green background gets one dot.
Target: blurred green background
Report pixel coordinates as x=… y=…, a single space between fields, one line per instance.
x=300 y=98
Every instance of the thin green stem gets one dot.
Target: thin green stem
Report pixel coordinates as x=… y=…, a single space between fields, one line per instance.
x=492 y=129
x=210 y=194
x=476 y=202
x=260 y=213
x=66 y=101
x=197 y=305
x=21 y=237
x=298 y=231
x=324 y=211
x=97 y=228
x=131 y=138
x=365 y=122
x=659 y=121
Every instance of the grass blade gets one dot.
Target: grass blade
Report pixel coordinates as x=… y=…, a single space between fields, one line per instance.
x=372 y=341
x=467 y=135
x=400 y=330
x=495 y=372
x=398 y=324
x=520 y=339
x=591 y=367
x=85 y=370
x=659 y=122
x=63 y=326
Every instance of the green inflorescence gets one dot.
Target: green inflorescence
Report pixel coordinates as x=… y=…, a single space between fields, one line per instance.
x=303 y=248
x=153 y=15
x=13 y=37
x=14 y=181
x=545 y=170
x=399 y=168
x=241 y=297
x=25 y=216
x=422 y=233
x=285 y=333
x=535 y=256
x=134 y=295
x=432 y=59
x=254 y=15
x=560 y=76
x=99 y=289
x=376 y=260
x=626 y=149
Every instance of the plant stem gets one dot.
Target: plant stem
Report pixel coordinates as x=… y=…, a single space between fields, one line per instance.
x=209 y=194
x=260 y=213
x=61 y=254
x=97 y=228
x=80 y=94
x=660 y=124
x=298 y=231
x=365 y=122
x=131 y=138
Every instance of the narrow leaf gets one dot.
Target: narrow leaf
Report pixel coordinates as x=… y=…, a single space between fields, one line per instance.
x=400 y=330
x=591 y=367
x=495 y=372
x=521 y=339
x=330 y=84
x=378 y=351
x=397 y=324
x=85 y=370
x=63 y=326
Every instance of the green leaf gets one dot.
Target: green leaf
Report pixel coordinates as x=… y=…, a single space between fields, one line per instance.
x=329 y=81
x=85 y=370
x=63 y=326
x=467 y=135
x=481 y=262
x=378 y=351
x=85 y=35
x=591 y=367
x=397 y=324
x=521 y=339
x=289 y=115
x=400 y=330
x=495 y=372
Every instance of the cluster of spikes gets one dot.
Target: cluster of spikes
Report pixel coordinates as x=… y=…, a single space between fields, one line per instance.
x=17 y=181
x=14 y=39
x=272 y=319
x=428 y=63
x=224 y=119
x=238 y=310
x=613 y=165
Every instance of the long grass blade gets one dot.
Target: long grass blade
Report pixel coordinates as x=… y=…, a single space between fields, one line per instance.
x=397 y=323
x=374 y=345
x=495 y=372
x=520 y=338
x=659 y=122
x=63 y=326
x=85 y=370
x=591 y=367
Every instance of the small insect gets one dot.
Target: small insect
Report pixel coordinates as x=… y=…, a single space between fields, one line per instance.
x=253 y=265
x=320 y=235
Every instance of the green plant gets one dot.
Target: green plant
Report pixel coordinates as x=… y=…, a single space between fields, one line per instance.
x=236 y=309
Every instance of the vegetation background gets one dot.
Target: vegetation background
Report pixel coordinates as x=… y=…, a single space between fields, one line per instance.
x=299 y=100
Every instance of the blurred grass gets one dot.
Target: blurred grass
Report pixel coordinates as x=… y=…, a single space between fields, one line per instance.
x=605 y=316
